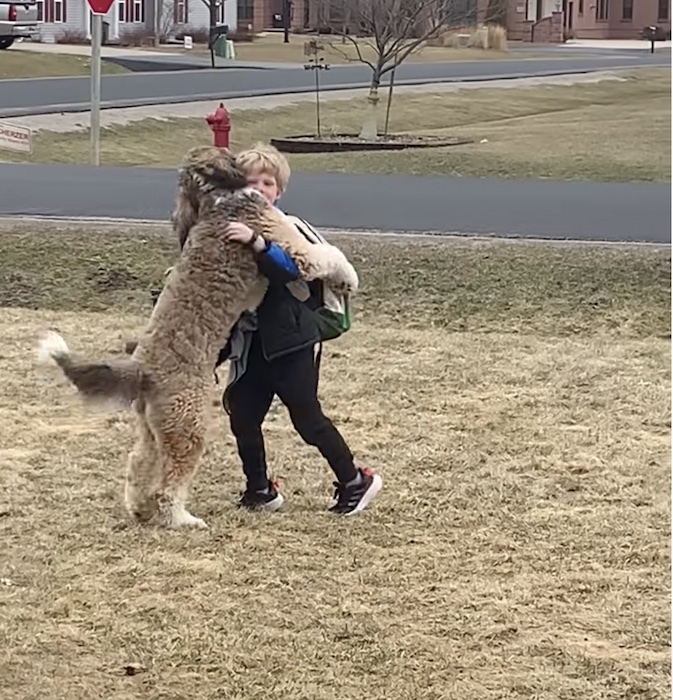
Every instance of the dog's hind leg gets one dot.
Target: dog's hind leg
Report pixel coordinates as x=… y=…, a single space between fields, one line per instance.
x=143 y=473
x=181 y=436
x=180 y=464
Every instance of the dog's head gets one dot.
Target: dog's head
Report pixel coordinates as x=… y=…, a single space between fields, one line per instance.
x=204 y=170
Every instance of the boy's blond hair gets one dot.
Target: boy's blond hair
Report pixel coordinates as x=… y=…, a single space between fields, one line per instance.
x=267 y=159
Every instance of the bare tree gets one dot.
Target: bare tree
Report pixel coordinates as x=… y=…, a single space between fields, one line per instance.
x=384 y=33
x=392 y=31
x=166 y=20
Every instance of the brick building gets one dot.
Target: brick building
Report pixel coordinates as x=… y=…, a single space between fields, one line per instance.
x=549 y=20
x=527 y=20
x=260 y=13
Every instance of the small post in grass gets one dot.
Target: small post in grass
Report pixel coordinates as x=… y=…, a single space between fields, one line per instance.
x=315 y=63
x=390 y=99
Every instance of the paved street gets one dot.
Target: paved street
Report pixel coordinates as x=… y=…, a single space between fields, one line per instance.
x=48 y=95
x=538 y=208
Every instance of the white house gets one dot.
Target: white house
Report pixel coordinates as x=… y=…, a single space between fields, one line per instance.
x=63 y=16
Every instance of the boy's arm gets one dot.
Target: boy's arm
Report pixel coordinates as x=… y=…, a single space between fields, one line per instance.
x=276 y=265
x=272 y=261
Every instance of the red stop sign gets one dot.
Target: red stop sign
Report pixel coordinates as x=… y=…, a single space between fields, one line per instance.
x=100 y=7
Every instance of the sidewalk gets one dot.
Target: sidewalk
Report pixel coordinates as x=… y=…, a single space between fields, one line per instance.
x=160 y=57
x=85 y=50
x=79 y=121
x=616 y=44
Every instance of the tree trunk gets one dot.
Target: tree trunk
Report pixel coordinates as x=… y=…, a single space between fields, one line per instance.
x=370 y=127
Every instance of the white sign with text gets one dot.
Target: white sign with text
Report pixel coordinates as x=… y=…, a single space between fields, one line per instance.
x=16 y=138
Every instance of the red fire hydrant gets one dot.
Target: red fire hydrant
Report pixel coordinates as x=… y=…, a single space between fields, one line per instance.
x=220 y=123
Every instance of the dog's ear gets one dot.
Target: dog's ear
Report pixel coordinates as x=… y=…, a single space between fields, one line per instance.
x=214 y=168
x=185 y=214
x=203 y=170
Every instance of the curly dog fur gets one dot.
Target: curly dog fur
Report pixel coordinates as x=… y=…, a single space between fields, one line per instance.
x=168 y=376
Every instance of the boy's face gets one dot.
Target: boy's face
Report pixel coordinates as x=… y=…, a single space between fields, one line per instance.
x=264 y=183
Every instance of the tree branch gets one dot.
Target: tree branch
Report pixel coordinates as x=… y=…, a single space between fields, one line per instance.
x=358 y=50
x=398 y=28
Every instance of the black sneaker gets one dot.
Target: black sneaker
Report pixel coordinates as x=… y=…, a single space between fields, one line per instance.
x=270 y=499
x=356 y=497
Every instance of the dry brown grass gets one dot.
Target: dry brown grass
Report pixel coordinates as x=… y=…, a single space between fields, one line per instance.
x=271 y=49
x=608 y=131
x=29 y=64
x=518 y=550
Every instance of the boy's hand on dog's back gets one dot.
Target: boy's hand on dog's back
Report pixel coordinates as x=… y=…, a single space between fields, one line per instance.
x=239 y=232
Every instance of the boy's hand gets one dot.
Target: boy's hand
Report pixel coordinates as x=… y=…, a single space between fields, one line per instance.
x=239 y=232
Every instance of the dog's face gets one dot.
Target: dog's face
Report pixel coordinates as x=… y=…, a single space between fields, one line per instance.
x=203 y=170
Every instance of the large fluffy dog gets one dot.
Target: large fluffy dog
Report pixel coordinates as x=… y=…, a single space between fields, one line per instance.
x=168 y=376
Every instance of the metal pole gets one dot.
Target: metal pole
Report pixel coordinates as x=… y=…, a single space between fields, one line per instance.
x=158 y=21
x=390 y=99
x=96 y=38
x=286 y=21
x=317 y=97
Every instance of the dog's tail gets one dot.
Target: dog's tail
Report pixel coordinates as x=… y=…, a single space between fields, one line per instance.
x=118 y=382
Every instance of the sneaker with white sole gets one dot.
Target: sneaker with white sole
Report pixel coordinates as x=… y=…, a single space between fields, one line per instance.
x=354 y=498
x=270 y=499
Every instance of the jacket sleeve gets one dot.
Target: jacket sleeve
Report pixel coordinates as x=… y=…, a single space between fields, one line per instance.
x=277 y=265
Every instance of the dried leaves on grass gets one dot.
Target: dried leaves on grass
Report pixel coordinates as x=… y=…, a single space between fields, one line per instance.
x=465 y=285
x=519 y=548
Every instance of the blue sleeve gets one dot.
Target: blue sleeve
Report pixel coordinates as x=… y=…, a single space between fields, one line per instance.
x=276 y=265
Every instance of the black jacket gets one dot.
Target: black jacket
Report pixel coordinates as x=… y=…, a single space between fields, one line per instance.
x=284 y=323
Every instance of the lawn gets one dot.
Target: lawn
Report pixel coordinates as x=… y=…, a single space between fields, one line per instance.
x=270 y=48
x=27 y=64
x=515 y=397
x=606 y=131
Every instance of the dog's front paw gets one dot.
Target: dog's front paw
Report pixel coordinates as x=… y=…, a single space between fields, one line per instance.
x=347 y=284
x=332 y=266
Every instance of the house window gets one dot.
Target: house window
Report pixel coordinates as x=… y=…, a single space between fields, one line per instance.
x=121 y=11
x=51 y=11
x=627 y=9
x=59 y=13
x=601 y=10
x=246 y=10
x=662 y=12
x=138 y=14
x=180 y=14
x=580 y=8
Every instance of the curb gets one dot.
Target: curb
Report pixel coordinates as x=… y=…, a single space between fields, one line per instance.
x=445 y=236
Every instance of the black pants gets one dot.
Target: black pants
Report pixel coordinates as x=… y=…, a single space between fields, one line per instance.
x=294 y=379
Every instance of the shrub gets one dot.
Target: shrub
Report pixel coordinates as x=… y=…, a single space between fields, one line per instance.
x=199 y=35
x=72 y=36
x=136 y=36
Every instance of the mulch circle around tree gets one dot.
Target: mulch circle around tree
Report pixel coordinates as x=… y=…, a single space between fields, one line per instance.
x=339 y=143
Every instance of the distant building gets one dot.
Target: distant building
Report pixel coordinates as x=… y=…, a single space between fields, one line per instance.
x=526 y=20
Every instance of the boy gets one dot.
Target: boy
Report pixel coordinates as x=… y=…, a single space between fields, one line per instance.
x=272 y=353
